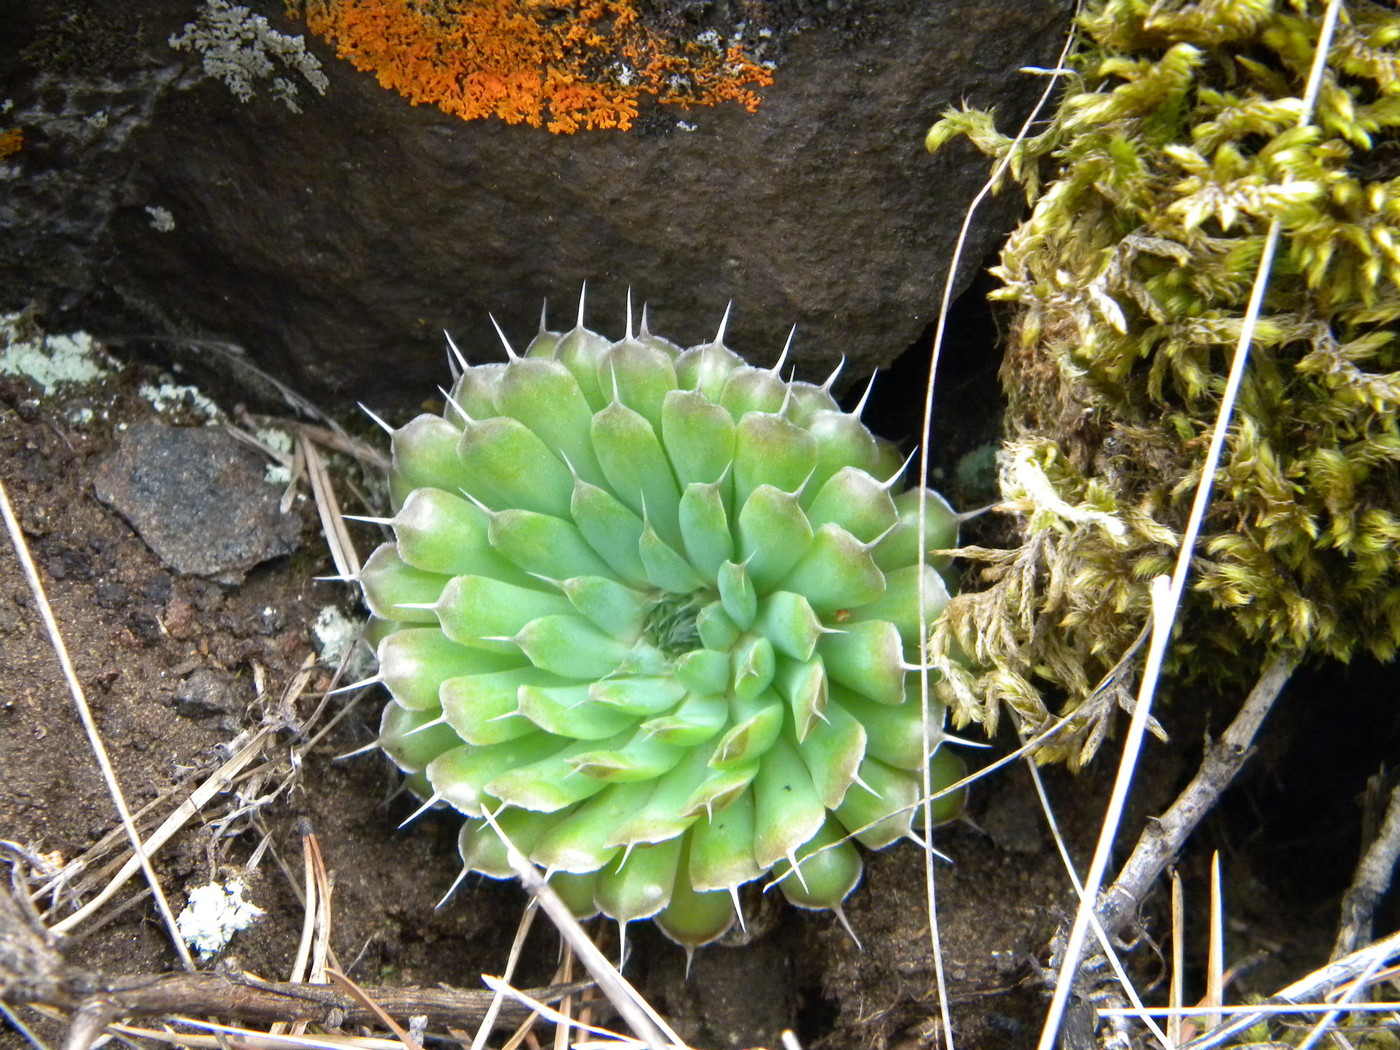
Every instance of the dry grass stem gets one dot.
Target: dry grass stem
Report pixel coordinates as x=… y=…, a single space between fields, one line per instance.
x=635 y=1010
x=935 y=352
x=342 y=548
x=75 y=688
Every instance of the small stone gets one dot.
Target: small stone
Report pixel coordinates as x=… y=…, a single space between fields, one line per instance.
x=198 y=500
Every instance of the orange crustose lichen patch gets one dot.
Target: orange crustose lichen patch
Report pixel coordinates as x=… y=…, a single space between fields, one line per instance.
x=564 y=65
x=11 y=141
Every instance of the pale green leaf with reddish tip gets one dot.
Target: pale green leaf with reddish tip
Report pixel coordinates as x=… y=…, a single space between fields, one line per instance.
x=424 y=454
x=827 y=870
x=696 y=719
x=415 y=661
x=643 y=758
x=787 y=810
x=484 y=708
x=803 y=684
x=638 y=884
x=507 y=465
x=836 y=572
x=703 y=670
x=753 y=665
x=474 y=610
x=868 y=657
x=773 y=534
x=721 y=847
x=857 y=502
x=390 y=584
x=771 y=450
x=832 y=752
x=462 y=774
x=698 y=436
x=566 y=711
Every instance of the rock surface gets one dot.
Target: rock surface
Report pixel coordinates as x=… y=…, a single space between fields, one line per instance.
x=198 y=499
x=335 y=244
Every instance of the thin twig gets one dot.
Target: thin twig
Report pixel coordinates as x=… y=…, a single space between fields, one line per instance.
x=1371 y=882
x=1163 y=837
x=75 y=688
x=1304 y=990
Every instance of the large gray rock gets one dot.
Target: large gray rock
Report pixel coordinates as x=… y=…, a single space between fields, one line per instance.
x=335 y=244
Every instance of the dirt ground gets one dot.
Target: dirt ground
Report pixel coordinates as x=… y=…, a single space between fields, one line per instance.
x=177 y=666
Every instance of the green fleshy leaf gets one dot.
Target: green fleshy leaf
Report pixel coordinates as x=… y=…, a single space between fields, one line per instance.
x=721 y=847
x=879 y=808
x=390 y=584
x=612 y=530
x=803 y=684
x=409 y=738
x=757 y=722
x=832 y=753
x=638 y=884
x=544 y=395
x=508 y=466
x=609 y=605
x=642 y=758
x=894 y=732
x=474 y=610
x=482 y=850
x=579 y=350
x=699 y=438
x=484 y=708
x=836 y=572
x=640 y=696
x=663 y=815
x=773 y=534
x=868 y=657
x=637 y=469
x=572 y=647
x=665 y=568
x=900 y=603
x=901 y=546
x=945 y=768
x=706 y=368
x=693 y=917
x=824 y=876
x=737 y=594
x=717 y=631
x=442 y=533
x=806 y=400
x=856 y=501
x=544 y=545
x=579 y=843
x=576 y=890
x=415 y=661
x=424 y=454
x=567 y=711
x=720 y=788
x=753 y=666
x=639 y=376
x=749 y=390
x=788 y=621
x=842 y=441
x=695 y=720
x=462 y=774
x=552 y=783
x=475 y=391
x=703 y=671
x=709 y=543
x=771 y=450
x=787 y=810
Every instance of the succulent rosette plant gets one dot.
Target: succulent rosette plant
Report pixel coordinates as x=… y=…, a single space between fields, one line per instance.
x=656 y=610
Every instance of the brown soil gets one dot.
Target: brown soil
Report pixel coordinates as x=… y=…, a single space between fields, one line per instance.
x=138 y=633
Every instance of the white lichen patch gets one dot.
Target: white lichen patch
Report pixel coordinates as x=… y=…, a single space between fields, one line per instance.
x=334 y=633
x=49 y=360
x=279 y=441
x=213 y=914
x=169 y=396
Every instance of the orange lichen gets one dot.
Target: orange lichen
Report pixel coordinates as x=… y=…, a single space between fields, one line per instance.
x=563 y=65
x=11 y=141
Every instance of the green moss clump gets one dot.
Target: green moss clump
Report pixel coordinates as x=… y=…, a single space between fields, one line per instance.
x=1174 y=148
